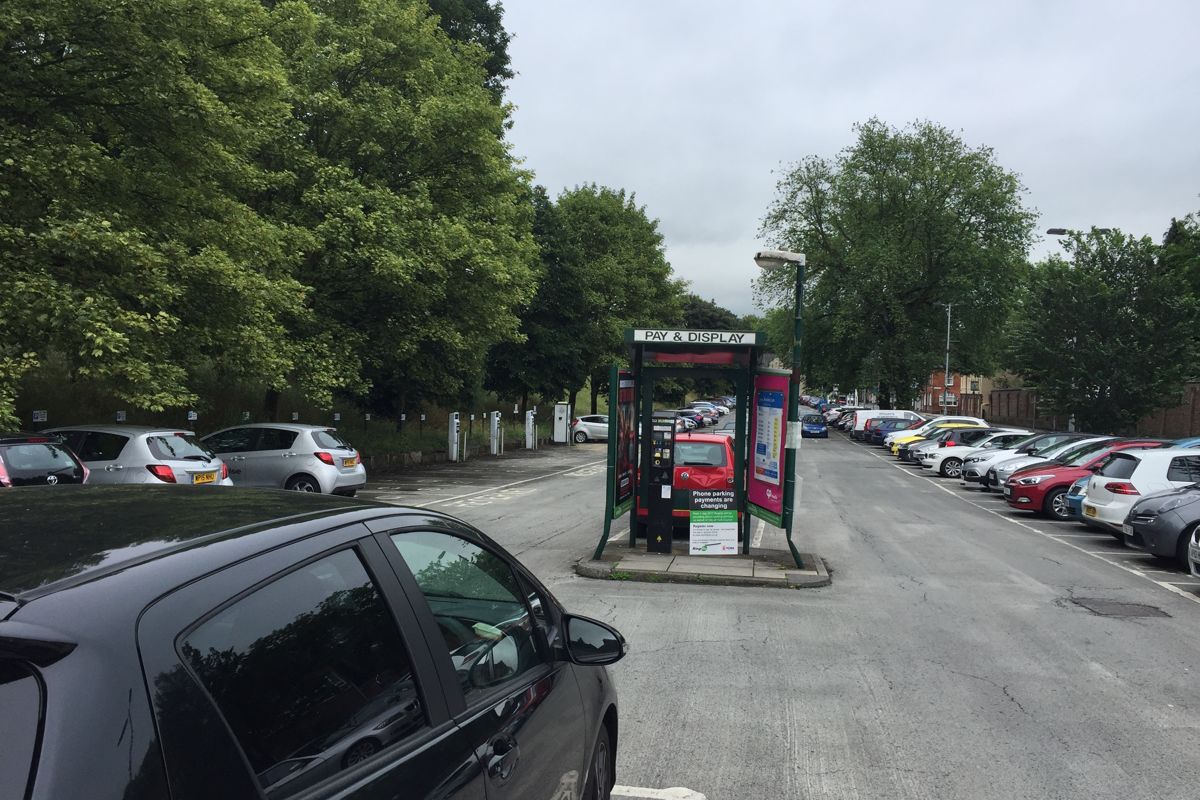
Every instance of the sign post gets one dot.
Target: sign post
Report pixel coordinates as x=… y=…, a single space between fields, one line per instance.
x=771 y=483
x=452 y=441
x=622 y=451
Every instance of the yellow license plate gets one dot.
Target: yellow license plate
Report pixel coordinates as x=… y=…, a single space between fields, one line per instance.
x=349 y=462
x=1091 y=512
x=204 y=477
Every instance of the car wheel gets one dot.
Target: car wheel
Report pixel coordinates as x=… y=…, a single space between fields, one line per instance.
x=1181 y=549
x=580 y=436
x=1056 y=505
x=303 y=483
x=600 y=777
x=951 y=467
x=360 y=751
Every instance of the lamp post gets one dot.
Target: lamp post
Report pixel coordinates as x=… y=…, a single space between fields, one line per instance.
x=946 y=371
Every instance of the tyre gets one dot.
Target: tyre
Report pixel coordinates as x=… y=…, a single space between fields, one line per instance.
x=1181 y=549
x=580 y=436
x=303 y=483
x=1055 y=505
x=951 y=468
x=600 y=772
x=360 y=751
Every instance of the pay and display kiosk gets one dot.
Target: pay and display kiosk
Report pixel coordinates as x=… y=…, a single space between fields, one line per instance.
x=661 y=475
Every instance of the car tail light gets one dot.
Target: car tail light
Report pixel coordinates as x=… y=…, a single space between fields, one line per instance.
x=574 y=422
x=4 y=480
x=224 y=470
x=1121 y=487
x=36 y=440
x=162 y=472
x=950 y=443
x=324 y=457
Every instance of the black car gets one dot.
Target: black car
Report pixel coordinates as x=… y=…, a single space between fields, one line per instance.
x=184 y=643
x=31 y=459
x=1163 y=523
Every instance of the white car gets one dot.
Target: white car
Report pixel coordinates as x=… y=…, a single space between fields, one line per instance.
x=1129 y=475
x=590 y=428
x=891 y=438
x=125 y=454
x=948 y=461
x=975 y=466
x=862 y=417
x=1000 y=472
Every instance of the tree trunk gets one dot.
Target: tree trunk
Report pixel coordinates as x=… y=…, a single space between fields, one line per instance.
x=571 y=399
x=525 y=402
x=885 y=396
x=595 y=389
x=271 y=405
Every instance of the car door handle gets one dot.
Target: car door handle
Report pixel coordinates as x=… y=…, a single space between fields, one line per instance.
x=289 y=455
x=503 y=755
x=238 y=458
x=114 y=467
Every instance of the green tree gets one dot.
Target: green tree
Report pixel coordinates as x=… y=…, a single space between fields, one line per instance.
x=420 y=222
x=129 y=136
x=1108 y=334
x=899 y=221
x=701 y=314
x=479 y=22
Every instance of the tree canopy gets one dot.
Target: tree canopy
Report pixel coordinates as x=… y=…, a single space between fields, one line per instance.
x=898 y=222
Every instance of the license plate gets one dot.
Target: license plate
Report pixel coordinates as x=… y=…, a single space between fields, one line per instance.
x=204 y=477
x=1127 y=530
x=1090 y=511
x=1007 y=491
x=349 y=462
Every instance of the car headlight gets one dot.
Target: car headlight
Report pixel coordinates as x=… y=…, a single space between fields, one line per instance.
x=1033 y=480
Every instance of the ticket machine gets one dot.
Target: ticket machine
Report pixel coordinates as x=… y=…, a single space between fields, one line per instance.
x=659 y=522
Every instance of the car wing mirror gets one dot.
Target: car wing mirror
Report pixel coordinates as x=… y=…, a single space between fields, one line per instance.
x=592 y=643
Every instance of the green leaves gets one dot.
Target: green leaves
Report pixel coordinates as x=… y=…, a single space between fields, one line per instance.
x=1110 y=334
x=898 y=222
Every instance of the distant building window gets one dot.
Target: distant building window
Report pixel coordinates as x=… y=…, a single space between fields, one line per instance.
x=974 y=387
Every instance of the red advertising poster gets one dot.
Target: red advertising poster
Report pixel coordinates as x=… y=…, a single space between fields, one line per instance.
x=626 y=442
x=768 y=435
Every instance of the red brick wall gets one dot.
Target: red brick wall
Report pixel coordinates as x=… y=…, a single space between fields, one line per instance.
x=1019 y=407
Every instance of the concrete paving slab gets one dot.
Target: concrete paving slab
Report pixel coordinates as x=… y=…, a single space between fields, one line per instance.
x=738 y=570
x=632 y=565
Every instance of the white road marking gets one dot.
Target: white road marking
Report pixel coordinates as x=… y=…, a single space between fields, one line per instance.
x=674 y=793
x=1170 y=587
x=506 y=485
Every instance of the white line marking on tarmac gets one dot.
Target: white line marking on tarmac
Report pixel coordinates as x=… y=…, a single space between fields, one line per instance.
x=674 y=793
x=506 y=485
x=1170 y=587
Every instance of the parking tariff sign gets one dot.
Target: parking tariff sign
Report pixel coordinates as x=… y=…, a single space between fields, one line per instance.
x=713 y=524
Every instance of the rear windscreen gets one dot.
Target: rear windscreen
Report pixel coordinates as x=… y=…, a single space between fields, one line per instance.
x=21 y=710
x=814 y=419
x=699 y=454
x=1119 y=465
x=36 y=458
x=178 y=447
x=331 y=440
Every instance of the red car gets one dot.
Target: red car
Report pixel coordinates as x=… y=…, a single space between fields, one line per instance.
x=702 y=461
x=1043 y=487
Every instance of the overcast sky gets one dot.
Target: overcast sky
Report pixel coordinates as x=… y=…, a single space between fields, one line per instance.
x=696 y=106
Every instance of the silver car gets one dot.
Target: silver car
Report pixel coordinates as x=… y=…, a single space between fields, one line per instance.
x=590 y=428
x=288 y=455
x=130 y=454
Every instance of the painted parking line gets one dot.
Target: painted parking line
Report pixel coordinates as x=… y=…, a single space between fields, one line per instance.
x=674 y=793
x=505 y=485
x=1101 y=555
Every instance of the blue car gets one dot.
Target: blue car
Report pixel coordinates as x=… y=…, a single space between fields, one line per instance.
x=1191 y=441
x=812 y=426
x=1075 y=497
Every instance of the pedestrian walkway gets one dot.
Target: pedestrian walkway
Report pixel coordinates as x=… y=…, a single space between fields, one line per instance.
x=763 y=567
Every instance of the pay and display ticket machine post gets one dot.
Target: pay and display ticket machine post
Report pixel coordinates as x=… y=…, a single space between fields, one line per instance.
x=659 y=522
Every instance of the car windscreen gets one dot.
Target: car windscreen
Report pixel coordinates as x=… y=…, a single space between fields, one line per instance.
x=699 y=454
x=178 y=447
x=36 y=458
x=1081 y=454
x=331 y=440
x=814 y=419
x=21 y=710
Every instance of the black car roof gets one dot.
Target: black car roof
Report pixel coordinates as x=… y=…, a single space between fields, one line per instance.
x=57 y=537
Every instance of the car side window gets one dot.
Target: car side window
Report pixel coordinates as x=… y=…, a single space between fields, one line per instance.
x=275 y=439
x=97 y=446
x=478 y=605
x=310 y=673
x=1184 y=468
x=234 y=440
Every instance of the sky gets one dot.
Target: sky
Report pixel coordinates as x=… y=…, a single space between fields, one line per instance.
x=698 y=106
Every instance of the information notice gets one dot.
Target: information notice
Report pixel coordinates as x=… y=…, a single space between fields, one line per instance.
x=714 y=522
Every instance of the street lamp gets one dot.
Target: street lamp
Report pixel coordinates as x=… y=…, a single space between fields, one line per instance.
x=946 y=371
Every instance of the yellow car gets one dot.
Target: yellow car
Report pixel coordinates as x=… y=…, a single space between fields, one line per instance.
x=927 y=431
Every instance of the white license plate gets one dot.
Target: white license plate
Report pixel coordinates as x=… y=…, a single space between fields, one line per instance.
x=1007 y=491
x=1127 y=530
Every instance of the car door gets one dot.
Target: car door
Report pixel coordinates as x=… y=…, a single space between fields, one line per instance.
x=233 y=446
x=517 y=702
x=597 y=426
x=270 y=462
x=302 y=671
x=101 y=452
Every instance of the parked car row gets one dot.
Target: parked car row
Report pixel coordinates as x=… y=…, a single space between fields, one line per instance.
x=701 y=413
x=1144 y=491
x=305 y=458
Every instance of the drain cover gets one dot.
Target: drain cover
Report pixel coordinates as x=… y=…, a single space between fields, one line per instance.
x=1115 y=608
